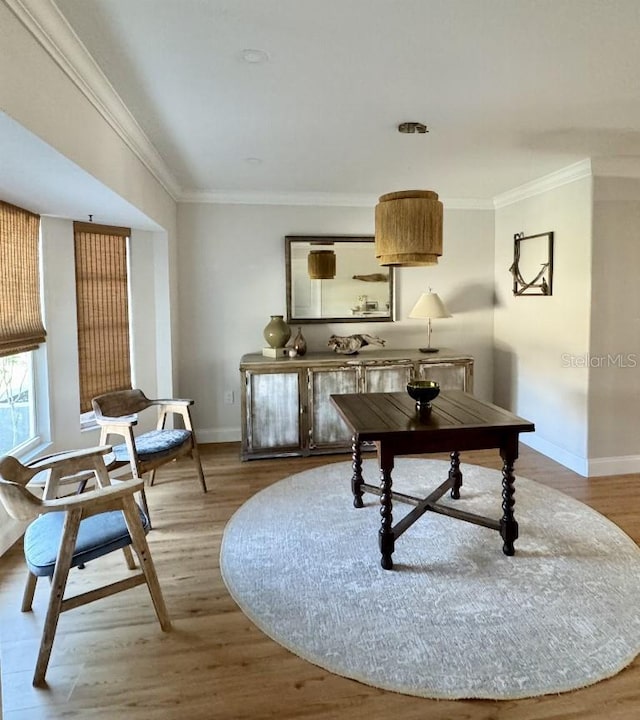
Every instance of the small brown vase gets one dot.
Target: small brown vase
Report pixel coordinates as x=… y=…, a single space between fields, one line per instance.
x=299 y=343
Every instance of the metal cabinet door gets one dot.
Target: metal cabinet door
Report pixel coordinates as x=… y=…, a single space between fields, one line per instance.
x=391 y=377
x=326 y=428
x=272 y=411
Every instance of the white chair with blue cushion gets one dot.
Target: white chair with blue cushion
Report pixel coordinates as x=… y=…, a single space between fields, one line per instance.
x=70 y=531
x=117 y=414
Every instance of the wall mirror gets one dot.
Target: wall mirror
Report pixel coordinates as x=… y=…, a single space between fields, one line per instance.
x=336 y=279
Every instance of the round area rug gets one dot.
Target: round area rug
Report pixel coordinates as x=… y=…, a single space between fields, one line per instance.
x=455 y=618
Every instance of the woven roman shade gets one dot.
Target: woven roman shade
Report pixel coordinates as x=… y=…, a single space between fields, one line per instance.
x=103 y=310
x=21 y=327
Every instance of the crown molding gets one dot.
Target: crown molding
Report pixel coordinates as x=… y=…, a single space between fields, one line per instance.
x=240 y=197
x=317 y=199
x=467 y=203
x=45 y=22
x=569 y=174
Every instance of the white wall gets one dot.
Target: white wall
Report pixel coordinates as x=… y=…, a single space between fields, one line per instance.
x=41 y=97
x=614 y=359
x=536 y=338
x=232 y=278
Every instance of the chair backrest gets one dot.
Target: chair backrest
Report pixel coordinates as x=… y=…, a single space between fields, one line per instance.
x=120 y=403
x=18 y=501
x=21 y=503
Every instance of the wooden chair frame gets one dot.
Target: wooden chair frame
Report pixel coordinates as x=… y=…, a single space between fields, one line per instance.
x=22 y=504
x=116 y=414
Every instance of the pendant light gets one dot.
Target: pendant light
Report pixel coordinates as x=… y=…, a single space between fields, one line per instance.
x=408 y=228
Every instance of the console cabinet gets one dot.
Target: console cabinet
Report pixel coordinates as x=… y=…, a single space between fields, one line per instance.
x=286 y=406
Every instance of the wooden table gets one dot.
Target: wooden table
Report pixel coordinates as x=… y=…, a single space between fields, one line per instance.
x=456 y=421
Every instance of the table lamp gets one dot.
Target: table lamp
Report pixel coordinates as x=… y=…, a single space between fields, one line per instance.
x=429 y=306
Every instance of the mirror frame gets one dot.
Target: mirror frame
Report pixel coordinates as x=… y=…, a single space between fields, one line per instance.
x=336 y=239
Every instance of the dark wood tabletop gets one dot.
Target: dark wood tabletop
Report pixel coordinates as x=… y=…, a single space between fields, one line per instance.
x=373 y=415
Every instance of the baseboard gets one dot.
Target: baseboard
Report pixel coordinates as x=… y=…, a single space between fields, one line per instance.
x=569 y=460
x=622 y=465
x=209 y=435
x=587 y=467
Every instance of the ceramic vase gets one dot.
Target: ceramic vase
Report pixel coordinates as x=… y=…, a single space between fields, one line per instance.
x=277 y=332
x=299 y=343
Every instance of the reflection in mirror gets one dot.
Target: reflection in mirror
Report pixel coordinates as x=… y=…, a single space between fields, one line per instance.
x=359 y=291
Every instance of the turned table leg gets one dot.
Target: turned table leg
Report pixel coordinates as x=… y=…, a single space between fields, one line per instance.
x=386 y=537
x=356 y=478
x=455 y=475
x=508 y=524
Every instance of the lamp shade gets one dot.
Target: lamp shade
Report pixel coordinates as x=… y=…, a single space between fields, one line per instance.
x=429 y=305
x=321 y=264
x=408 y=228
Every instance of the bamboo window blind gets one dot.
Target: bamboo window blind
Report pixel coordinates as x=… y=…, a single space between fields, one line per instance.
x=103 y=310
x=21 y=326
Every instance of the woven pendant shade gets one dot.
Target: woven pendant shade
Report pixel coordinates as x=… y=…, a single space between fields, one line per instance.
x=321 y=264
x=409 y=228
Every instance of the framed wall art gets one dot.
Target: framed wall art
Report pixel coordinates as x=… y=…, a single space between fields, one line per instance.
x=532 y=268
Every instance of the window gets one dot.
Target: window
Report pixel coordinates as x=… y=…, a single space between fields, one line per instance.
x=21 y=328
x=17 y=417
x=103 y=310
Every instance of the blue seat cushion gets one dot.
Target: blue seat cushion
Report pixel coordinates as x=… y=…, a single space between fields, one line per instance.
x=97 y=536
x=153 y=444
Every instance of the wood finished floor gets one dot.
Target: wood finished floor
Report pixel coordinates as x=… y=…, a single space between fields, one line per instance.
x=111 y=660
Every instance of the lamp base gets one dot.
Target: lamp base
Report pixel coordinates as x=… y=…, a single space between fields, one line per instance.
x=429 y=350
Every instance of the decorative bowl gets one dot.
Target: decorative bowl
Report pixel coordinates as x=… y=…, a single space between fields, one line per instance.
x=423 y=392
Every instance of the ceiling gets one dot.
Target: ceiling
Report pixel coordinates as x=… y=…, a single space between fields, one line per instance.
x=35 y=176
x=511 y=90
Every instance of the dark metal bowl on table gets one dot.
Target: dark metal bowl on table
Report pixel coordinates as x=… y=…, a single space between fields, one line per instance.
x=423 y=392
